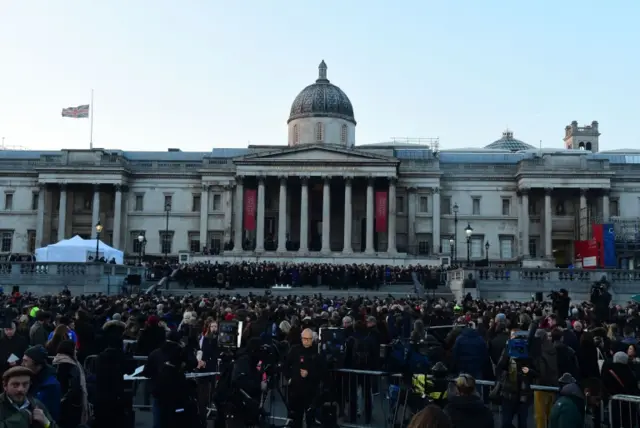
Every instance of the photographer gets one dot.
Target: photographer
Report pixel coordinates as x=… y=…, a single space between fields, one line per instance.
x=305 y=370
x=172 y=351
x=560 y=304
x=601 y=299
x=246 y=387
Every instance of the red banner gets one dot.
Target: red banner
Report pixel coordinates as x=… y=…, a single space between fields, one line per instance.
x=598 y=235
x=586 y=254
x=381 y=211
x=250 y=203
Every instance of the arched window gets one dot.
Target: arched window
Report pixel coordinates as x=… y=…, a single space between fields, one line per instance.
x=588 y=146
x=581 y=145
x=343 y=134
x=296 y=134
x=319 y=131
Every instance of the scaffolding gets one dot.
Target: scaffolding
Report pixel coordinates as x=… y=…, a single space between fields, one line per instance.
x=432 y=142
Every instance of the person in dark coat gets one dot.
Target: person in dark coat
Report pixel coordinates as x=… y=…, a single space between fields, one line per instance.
x=44 y=384
x=470 y=353
x=74 y=408
x=466 y=409
x=569 y=409
x=112 y=406
x=12 y=344
x=152 y=336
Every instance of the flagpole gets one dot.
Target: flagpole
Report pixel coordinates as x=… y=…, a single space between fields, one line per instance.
x=91 y=118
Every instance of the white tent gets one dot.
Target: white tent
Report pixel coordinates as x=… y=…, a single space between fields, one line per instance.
x=79 y=250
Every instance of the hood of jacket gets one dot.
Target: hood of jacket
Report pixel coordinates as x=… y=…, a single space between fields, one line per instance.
x=112 y=324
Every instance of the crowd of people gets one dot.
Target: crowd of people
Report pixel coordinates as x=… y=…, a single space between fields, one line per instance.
x=267 y=274
x=585 y=353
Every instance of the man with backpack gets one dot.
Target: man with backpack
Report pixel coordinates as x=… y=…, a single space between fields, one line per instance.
x=361 y=355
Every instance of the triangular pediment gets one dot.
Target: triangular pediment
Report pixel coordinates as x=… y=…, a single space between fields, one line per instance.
x=316 y=153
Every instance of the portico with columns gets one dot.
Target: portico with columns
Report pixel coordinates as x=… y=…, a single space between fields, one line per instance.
x=558 y=211
x=330 y=193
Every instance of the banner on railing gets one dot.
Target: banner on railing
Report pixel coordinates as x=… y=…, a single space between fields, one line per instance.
x=250 y=203
x=586 y=254
x=381 y=211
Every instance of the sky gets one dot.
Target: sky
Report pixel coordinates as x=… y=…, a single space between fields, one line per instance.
x=204 y=74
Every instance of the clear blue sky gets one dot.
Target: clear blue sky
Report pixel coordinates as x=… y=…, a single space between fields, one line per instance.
x=199 y=74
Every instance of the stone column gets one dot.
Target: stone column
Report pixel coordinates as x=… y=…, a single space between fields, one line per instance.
x=548 y=250
x=525 y=222
x=62 y=213
x=348 y=216
x=391 y=228
x=117 y=217
x=435 y=219
x=260 y=214
x=304 y=214
x=605 y=206
x=228 y=212
x=583 y=214
x=326 y=215
x=238 y=216
x=95 y=214
x=411 y=220
x=370 y=216
x=282 y=216
x=40 y=215
x=204 y=216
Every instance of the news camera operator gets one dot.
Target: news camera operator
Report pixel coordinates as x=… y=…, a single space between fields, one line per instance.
x=601 y=299
x=560 y=301
x=246 y=387
x=362 y=353
x=305 y=370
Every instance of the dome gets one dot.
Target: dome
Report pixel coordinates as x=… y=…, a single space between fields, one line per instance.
x=322 y=99
x=507 y=142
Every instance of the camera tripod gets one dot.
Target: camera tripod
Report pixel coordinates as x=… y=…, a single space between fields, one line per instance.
x=273 y=391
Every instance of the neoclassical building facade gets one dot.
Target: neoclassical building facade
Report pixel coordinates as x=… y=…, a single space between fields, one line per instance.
x=322 y=195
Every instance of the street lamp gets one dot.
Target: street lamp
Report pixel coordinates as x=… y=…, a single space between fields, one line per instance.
x=167 y=209
x=455 y=232
x=452 y=242
x=486 y=251
x=468 y=231
x=142 y=240
x=98 y=231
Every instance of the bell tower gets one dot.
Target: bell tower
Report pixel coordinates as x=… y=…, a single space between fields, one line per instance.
x=582 y=137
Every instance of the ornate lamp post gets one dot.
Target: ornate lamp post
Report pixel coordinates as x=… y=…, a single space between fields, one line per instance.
x=486 y=251
x=455 y=232
x=98 y=231
x=452 y=243
x=167 y=210
x=142 y=241
x=468 y=231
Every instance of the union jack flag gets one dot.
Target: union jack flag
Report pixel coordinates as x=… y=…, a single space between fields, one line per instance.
x=77 y=112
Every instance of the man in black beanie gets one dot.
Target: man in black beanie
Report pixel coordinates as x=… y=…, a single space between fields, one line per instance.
x=44 y=385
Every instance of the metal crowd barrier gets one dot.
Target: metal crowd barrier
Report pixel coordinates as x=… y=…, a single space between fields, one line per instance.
x=377 y=399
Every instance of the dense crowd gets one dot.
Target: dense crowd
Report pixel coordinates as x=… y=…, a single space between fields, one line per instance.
x=588 y=352
x=266 y=274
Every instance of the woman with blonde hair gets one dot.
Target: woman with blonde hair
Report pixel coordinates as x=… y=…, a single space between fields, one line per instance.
x=430 y=417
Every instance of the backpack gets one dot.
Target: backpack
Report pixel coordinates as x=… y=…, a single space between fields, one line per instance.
x=548 y=366
x=361 y=352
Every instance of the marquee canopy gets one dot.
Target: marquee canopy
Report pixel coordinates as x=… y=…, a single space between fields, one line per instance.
x=77 y=250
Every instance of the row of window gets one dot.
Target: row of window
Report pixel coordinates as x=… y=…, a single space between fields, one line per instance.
x=446 y=207
x=8 y=201
x=196 y=202
x=319 y=131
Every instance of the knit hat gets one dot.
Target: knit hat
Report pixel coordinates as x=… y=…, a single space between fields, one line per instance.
x=116 y=317
x=38 y=354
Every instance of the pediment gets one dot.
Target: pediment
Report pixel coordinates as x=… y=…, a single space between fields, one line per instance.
x=316 y=153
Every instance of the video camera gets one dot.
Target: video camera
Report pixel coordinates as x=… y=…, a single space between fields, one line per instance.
x=230 y=335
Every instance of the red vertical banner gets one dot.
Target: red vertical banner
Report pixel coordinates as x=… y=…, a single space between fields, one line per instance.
x=590 y=254
x=598 y=236
x=250 y=203
x=381 y=211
